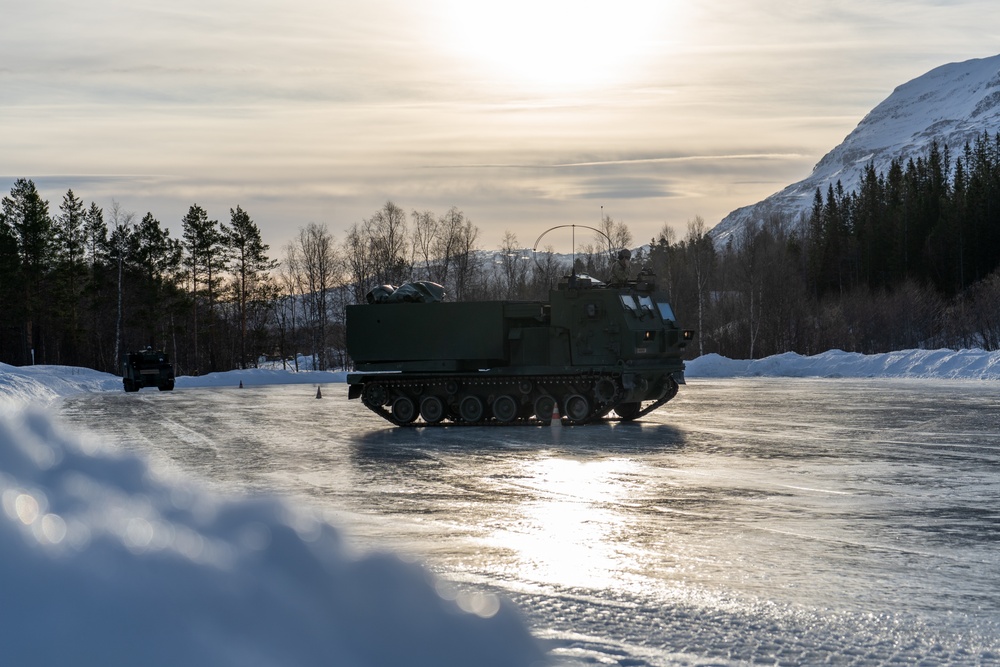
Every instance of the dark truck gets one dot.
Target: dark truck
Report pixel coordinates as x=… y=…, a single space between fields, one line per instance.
x=588 y=350
x=147 y=369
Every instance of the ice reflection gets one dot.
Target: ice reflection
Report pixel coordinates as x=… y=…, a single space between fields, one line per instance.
x=779 y=521
x=568 y=530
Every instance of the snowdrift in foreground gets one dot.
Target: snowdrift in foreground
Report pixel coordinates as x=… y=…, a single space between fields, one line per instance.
x=104 y=563
x=941 y=364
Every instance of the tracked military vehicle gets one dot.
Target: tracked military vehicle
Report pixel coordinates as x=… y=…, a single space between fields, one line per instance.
x=147 y=368
x=588 y=351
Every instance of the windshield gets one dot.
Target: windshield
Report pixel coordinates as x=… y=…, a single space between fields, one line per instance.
x=629 y=302
x=665 y=311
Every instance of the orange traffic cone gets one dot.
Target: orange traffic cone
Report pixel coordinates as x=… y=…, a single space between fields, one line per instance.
x=556 y=419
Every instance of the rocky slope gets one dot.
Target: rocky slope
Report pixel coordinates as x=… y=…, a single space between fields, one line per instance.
x=952 y=104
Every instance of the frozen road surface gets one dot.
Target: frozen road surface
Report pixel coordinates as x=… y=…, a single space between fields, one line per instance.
x=769 y=521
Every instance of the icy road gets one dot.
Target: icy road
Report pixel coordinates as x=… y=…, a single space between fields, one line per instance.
x=780 y=521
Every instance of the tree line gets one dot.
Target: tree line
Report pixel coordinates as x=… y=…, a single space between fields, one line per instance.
x=909 y=259
x=931 y=220
x=82 y=286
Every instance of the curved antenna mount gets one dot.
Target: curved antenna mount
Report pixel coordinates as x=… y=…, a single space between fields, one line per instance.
x=534 y=250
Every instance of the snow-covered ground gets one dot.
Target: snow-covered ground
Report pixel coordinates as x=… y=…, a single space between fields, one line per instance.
x=103 y=560
x=38 y=385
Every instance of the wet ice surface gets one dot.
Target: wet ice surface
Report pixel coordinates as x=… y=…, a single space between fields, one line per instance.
x=750 y=520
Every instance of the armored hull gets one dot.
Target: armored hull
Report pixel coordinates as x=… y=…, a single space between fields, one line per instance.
x=588 y=351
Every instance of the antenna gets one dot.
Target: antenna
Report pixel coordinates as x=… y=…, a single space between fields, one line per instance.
x=538 y=241
x=611 y=247
x=572 y=268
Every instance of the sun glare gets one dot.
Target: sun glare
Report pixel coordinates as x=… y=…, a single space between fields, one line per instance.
x=567 y=533
x=560 y=43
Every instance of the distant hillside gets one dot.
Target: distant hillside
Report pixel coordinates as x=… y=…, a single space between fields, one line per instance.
x=952 y=104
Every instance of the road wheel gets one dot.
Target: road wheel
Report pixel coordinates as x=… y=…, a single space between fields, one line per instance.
x=403 y=410
x=577 y=408
x=505 y=409
x=544 y=407
x=470 y=409
x=432 y=409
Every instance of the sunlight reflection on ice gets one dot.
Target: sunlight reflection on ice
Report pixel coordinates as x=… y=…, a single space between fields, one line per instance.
x=567 y=533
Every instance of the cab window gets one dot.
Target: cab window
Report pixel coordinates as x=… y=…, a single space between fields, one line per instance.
x=666 y=312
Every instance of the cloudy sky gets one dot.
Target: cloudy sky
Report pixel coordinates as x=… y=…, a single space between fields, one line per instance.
x=522 y=113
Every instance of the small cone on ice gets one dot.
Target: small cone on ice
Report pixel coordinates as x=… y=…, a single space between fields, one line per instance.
x=319 y=394
x=241 y=384
x=556 y=419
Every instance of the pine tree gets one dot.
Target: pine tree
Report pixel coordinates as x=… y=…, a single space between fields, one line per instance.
x=70 y=229
x=27 y=215
x=251 y=269
x=96 y=256
x=10 y=295
x=155 y=260
x=204 y=263
x=70 y=274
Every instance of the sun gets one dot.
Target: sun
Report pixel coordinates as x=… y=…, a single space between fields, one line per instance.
x=560 y=43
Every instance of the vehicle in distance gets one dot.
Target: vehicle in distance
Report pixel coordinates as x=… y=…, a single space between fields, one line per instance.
x=147 y=368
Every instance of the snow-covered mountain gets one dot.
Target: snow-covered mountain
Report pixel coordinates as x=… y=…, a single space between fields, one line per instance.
x=952 y=104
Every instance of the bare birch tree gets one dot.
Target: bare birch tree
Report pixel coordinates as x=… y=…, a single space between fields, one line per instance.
x=286 y=307
x=121 y=226
x=320 y=269
x=702 y=260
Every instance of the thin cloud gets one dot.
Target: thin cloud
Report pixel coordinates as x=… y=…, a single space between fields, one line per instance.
x=320 y=111
x=622 y=161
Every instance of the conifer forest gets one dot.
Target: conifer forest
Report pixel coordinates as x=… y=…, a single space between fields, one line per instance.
x=908 y=260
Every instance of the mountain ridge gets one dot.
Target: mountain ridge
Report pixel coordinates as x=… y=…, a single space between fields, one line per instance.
x=950 y=104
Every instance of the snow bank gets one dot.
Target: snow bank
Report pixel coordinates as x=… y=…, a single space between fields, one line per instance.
x=38 y=385
x=104 y=563
x=21 y=386
x=941 y=364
